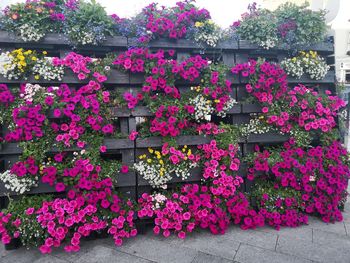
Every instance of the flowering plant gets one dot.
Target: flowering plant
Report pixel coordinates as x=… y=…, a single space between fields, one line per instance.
x=173 y=22
x=32 y=20
x=158 y=168
x=257 y=26
x=319 y=173
x=288 y=25
x=306 y=62
x=17 y=63
x=87 y=24
x=207 y=33
x=280 y=206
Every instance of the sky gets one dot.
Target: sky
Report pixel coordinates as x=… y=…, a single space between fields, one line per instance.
x=223 y=12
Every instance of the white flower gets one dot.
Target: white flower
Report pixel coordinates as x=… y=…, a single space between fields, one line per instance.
x=203 y=108
x=18 y=184
x=46 y=70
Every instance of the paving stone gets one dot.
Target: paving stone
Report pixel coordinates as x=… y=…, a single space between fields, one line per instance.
x=327 y=238
x=104 y=254
x=218 y=245
x=251 y=254
x=85 y=247
x=302 y=232
x=21 y=255
x=49 y=259
x=206 y=258
x=313 y=251
x=158 y=251
x=338 y=227
x=253 y=237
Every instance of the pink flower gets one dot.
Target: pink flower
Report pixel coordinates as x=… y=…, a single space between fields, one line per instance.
x=186 y=216
x=124 y=169
x=181 y=234
x=133 y=135
x=30 y=211
x=60 y=187
x=103 y=148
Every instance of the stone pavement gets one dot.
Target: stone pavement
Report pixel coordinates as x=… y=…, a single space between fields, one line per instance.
x=316 y=242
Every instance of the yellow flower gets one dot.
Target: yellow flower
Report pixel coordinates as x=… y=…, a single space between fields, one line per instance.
x=185 y=146
x=34 y=59
x=150 y=150
x=161 y=173
x=149 y=160
x=37 y=77
x=217 y=101
x=189 y=152
x=161 y=162
x=44 y=52
x=208 y=101
x=198 y=24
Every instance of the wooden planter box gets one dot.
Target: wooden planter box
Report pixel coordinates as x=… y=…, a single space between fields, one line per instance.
x=269 y=137
x=230 y=52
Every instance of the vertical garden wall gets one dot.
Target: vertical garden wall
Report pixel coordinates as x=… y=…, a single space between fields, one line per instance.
x=165 y=117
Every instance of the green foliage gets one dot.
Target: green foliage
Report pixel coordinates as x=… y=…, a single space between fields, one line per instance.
x=31 y=232
x=310 y=28
x=89 y=24
x=259 y=28
x=290 y=25
x=267 y=196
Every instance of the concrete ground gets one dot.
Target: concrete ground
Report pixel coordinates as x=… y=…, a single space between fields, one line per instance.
x=316 y=242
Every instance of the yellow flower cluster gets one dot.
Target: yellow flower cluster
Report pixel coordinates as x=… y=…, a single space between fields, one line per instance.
x=311 y=54
x=199 y=24
x=24 y=58
x=157 y=157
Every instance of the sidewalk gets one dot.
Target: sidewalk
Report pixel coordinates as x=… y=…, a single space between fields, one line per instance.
x=316 y=242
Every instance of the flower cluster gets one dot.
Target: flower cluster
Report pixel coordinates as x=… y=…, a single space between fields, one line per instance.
x=280 y=206
x=88 y=24
x=45 y=69
x=158 y=168
x=319 y=175
x=6 y=96
x=18 y=63
x=173 y=22
x=306 y=62
x=32 y=20
x=287 y=25
x=18 y=184
x=29 y=120
x=207 y=33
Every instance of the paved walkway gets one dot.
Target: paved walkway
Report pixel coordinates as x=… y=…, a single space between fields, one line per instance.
x=316 y=242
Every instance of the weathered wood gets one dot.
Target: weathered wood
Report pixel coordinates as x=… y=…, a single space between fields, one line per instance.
x=111 y=144
x=58 y=39
x=40 y=189
x=329 y=78
x=251 y=108
x=115 y=77
x=267 y=138
x=181 y=140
